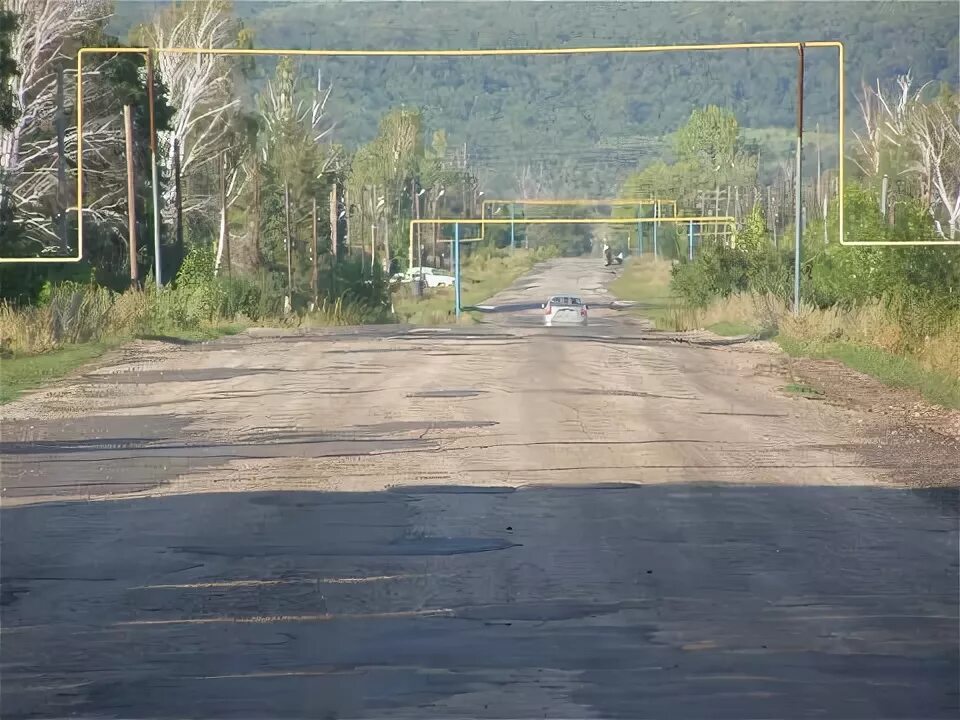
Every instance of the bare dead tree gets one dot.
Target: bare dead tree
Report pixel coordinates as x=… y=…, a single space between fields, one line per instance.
x=201 y=88
x=870 y=140
x=29 y=152
x=887 y=114
x=531 y=183
x=935 y=133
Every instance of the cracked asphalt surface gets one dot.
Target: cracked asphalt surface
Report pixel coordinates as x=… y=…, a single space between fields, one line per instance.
x=500 y=520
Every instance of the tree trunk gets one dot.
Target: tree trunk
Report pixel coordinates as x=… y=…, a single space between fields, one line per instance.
x=224 y=226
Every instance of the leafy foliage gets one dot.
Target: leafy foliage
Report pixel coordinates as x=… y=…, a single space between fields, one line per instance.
x=8 y=68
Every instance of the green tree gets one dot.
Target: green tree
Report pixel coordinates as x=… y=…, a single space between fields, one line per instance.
x=8 y=70
x=710 y=138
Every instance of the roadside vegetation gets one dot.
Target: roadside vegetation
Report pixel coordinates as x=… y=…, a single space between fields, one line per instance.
x=281 y=203
x=484 y=274
x=892 y=312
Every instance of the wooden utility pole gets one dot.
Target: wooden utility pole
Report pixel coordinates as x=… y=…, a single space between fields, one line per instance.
x=178 y=199
x=315 y=276
x=334 y=223
x=62 y=161
x=224 y=225
x=256 y=210
x=770 y=207
x=346 y=205
x=131 y=195
x=286 y=205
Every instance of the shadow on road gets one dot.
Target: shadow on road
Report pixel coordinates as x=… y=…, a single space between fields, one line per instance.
x=621 y=600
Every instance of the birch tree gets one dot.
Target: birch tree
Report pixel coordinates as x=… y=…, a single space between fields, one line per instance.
x=200 y=85
x=8 y=69
x=935 y=132
x=917 y=138
x=45 y=39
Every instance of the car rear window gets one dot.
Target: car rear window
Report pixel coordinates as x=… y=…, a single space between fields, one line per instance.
x=563 y=300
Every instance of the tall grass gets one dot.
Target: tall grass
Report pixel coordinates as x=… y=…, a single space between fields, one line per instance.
x=875 y=324
x=75 y=313
x=880 y=336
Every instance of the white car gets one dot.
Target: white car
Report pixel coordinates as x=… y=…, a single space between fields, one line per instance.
x=564 y=309
x=432 y=277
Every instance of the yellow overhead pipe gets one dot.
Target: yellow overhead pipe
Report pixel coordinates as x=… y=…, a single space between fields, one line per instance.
x=615 y=202
x=727 y=220
x=507 y=52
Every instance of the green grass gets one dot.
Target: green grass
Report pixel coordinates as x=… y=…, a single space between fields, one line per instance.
x=211 y=332
x=647 y=283
x=731 y=329
x=21 y=373
x=18 y=374
x=890 y=369
x=803 y=390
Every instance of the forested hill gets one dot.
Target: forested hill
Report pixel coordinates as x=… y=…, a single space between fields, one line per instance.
x=597 y=108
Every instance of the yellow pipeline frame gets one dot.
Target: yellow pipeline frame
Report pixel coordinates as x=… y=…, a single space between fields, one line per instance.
x=563 y=51
x=573 y=202
x=727 y=220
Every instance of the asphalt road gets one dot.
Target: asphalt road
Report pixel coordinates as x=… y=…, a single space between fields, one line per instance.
x=500 y=521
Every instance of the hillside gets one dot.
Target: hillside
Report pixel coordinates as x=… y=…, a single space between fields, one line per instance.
x=593 y=117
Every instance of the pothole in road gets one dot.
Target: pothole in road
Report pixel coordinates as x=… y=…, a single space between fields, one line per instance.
x=147 y=377
x=413 y=425
x=446 y=393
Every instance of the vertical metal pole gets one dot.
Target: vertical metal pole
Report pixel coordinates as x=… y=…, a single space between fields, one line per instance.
x=690 y=242
x=348 y=239
x=798 y=219
x=225 y=259
x=656 y=247
x=656 y=214
x=314 y=251
x=286 y=206
x=62 y=160
x=155 y=173
x=414 y=206
x=639 y=233
x=178 y=203
x=825 y=215
x=334 y=222
x=883 y=196
x=131 y=194
x=456 y=268
x=513 y=237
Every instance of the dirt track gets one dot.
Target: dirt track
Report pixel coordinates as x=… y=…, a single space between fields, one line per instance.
x=518 y=522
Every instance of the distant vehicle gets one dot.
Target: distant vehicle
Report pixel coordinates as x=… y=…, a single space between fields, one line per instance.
x=564 y=309
x=432 y=277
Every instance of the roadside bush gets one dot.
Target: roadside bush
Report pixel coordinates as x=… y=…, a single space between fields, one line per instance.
x=717 y=272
